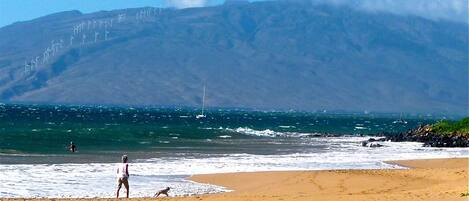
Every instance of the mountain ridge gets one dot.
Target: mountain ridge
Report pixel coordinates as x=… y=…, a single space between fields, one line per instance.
x=265 y=55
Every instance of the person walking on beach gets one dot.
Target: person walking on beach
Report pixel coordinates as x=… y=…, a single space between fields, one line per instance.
x=123 y=176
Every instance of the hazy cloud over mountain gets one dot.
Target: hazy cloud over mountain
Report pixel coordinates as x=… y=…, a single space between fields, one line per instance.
x=454 y=10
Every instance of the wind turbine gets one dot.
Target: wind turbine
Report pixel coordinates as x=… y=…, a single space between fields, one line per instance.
x=36 y=61
x=53 y=48
x=61 y=43
x=26 y=67
x=75 y=30
x=77 y=27
x=157 y=11
x=121 y=17
x=105 y=34
x=71 y=40
x=82 y=26
x=32 y=64
x=45 y=56
x=108 y=23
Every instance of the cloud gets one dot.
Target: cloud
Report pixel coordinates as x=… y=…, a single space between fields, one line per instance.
x=454 y=10
x=187 y=3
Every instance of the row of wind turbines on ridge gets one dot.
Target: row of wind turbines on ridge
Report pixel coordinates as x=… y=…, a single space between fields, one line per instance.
x=88 y=31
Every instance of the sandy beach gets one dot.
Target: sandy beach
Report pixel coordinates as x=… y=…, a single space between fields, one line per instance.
x=436 y=179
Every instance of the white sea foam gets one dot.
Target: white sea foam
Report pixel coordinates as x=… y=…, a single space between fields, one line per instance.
x=261 y=133
x=149 y=175
x=268 y=133
x=91 y=180
x=360 y=128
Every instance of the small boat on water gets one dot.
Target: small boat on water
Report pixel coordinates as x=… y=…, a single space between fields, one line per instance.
x=400 y=121
x=200 y=116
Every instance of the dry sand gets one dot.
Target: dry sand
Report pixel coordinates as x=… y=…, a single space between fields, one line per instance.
x=428 y=180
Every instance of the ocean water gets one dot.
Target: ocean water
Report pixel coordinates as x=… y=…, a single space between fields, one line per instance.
x=167 y=145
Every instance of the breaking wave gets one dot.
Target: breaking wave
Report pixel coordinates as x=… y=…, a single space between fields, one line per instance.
x=270 y=133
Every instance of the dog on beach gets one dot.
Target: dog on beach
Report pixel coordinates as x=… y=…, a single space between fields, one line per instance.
x=164 y=192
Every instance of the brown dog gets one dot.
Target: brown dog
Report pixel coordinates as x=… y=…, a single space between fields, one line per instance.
x=164 y=192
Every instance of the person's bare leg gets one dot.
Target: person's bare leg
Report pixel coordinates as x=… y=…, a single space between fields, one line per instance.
x=128 y=192
x=117 y=193
x=126 y=185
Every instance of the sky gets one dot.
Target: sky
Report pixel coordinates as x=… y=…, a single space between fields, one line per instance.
x=20 y=10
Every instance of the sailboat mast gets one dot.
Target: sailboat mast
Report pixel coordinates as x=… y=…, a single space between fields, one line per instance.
x=203 y=102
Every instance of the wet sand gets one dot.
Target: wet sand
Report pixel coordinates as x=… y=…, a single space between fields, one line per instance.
x=428 y=180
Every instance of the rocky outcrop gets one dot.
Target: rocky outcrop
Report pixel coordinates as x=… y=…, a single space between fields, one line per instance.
x=373 y=142
x=430 y=138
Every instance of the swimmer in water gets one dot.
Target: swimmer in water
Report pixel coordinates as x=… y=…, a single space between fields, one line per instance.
x=72 y=147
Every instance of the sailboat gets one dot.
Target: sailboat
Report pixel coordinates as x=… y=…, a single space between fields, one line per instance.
x=199 y=116
x=400 y=121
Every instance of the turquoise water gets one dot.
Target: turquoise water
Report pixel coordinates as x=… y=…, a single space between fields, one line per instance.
x=49 y=129
x=167 y=145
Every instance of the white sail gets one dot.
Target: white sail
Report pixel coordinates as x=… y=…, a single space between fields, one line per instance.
x=400 y=121
x=203 y=107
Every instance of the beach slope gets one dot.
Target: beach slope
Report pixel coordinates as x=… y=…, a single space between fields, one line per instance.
x=429 y=180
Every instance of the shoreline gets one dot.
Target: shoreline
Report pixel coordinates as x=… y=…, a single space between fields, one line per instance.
x=426 y=179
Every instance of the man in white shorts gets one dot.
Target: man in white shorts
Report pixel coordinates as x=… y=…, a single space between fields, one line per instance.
x=123 y=175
